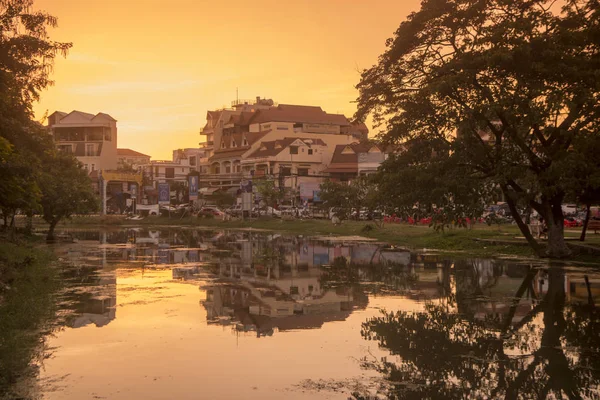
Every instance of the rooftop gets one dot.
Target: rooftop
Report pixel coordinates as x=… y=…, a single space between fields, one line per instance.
x=76 y=117
x=130 y=153
x=298 y=114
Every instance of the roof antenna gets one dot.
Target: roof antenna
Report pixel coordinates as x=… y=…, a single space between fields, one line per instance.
x=237 y=97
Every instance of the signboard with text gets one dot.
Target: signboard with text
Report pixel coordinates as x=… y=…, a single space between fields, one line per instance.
x=193 y=186
x=164 y=193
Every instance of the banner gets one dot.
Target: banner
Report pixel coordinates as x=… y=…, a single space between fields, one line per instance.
x=164 y=193
x=122 y=177
x=316 y=196
x=193 y=186
x=246 y=186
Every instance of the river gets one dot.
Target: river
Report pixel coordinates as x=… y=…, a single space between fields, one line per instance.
x=171 y=313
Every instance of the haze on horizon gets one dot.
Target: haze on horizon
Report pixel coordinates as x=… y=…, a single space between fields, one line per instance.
x=157 y=67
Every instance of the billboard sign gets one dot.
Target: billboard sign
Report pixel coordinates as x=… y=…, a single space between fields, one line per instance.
x=246 y=186
x=193 y=186
x=164 y=193
x=317 y=196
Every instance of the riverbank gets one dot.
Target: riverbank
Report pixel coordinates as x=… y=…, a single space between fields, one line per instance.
x=28 y=284
x=498 y=241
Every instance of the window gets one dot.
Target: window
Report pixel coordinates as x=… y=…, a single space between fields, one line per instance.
x=86 y=166
x=286 y=171
x=282 y=128
x=293 y=289
x=93 y=167
x=89 y=150
x=193 y=161
x=293 y=149
x=310 y=152
x=156 y=171
x=233 y=143
x=267 y=126
x=244 y=142
x=169 y=172
x=302 y=171
x=182 y=169
x=222 y=144
x=66 y=148
x=227 y=169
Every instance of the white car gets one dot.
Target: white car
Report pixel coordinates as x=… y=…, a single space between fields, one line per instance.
x=270 y=211
x=569 y=209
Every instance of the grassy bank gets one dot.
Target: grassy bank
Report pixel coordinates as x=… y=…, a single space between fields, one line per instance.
x=28 y=284
x=458 y=240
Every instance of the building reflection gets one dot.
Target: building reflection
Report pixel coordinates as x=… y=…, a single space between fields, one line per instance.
x=269 y=282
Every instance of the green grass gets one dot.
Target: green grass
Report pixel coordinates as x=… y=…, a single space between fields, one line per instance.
x=28 y=284
x=457 y=240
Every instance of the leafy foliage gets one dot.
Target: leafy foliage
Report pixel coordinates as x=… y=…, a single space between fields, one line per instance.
x=358 y=193
x=506 y=87
x=66 y=190
x=34 y=175
x=268 y=191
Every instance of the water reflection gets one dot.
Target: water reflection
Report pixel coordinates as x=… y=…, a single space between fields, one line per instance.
x=450 y=329
x=505 y=331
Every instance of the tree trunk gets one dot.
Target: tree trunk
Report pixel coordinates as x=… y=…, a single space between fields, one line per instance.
x=50 y=236
x=522 y=226
x=588 y=213
x=29 y=223
x=557 y=246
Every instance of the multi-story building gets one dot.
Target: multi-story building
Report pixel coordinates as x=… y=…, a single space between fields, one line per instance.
x=195 y=157
x=290 y=143
x=128 y=157
x=158 y=171
x=352 y=160
x=92 y=139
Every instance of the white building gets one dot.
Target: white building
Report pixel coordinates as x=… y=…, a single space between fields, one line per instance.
x=92 y=139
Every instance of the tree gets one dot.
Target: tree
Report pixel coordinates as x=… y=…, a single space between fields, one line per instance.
x=424 y=180
x=180 y=189
x=18 y=187
x=359 y=193
x=507 y=86
x=268 y=191
x=26 y=58
x=66 y=190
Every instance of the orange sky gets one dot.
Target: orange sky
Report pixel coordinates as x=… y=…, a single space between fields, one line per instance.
x=157 y=66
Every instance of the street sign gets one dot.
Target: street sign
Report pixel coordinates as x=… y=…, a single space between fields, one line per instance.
x=164 y=193
x=133 y=191
x=193 y=186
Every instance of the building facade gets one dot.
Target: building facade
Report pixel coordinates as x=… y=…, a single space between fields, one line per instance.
x=92 y=139
x=128 y=157
x=291 y=144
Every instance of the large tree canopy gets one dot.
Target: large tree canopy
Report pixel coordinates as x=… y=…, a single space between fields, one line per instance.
x=35 y=177
x=506 y=86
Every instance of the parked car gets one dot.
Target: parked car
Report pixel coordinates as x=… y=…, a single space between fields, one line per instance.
x=569 y=209
x=266 y=211
x=215 y=211
x=235 y=210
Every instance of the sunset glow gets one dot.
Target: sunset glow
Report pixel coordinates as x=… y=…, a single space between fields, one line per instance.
x=158 y=66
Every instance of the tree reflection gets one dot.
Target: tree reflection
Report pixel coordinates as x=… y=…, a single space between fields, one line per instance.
x=450 y=352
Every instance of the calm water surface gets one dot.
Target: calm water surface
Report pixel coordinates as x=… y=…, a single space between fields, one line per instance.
x=193 y=314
